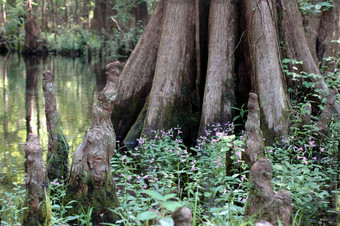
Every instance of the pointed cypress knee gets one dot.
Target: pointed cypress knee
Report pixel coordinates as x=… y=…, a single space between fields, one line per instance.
x=58 y=149
x=263 y=203
x=37 y=212
x=255 y=145
x=91 y=182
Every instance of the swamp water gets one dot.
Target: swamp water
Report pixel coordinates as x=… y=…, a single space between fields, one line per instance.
x=22 y=106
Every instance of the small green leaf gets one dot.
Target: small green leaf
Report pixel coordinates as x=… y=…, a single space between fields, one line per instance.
x=155 y=195
x=171 y=205
x=207 y=194
x=285 y=61
x=169 y=196
x=167 y=221
x=147 y=215
x=277 y=167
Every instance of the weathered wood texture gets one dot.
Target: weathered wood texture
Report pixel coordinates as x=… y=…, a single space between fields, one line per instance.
x=182 y=217
x=263 y=202
x=137 y=76
x=219 y=86
x=296 y=44
x=268 y=81
x=174 y=82
x=326 y=114
x=130 y=141
x=255 y=144
x=90 y=180
x=58 y=149
x=37 y=213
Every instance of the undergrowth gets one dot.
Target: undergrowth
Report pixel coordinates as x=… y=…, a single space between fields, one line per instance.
x=161 y=174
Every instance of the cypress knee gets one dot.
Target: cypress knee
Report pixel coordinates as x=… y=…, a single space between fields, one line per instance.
x=90 y=182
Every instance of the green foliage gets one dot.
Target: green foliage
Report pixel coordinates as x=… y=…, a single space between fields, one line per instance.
x=13 y=31
x=74 y=42
x=308 y=6
x=304 y=165
x=12 y=206
x=302 y=86
x=194 y=177
x=305 y=161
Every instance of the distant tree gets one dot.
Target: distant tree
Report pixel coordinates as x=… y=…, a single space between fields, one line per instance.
x=33 y=43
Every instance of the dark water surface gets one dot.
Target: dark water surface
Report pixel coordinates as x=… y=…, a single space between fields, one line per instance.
x=22 y=106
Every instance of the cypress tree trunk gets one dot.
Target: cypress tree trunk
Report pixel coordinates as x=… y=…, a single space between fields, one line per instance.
x=58 y=149
x=219 y=87
x=267 y=78
x=136 y=78
x=173 y=86
x=90 y=182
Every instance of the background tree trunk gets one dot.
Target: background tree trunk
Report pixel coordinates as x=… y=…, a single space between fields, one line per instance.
x=33 y=43
x=66 y=13
x=3 y=12
x=173 y=87
x=297 y=47
x=44 y=26
x=219 y=86
x=99 y=18
x=58 y=149
x=137 y=76
x=91 y=183
x=267 y=78
x=141 y=12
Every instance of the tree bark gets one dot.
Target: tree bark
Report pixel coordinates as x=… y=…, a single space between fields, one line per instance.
x=263 y=202
x=141 y=12
x=267 y=80
x=76 y=13
x=33 y=43
x=43 y=17
x=37 y=212
x=137 y=76
x=66 y=13
x=296 y=45
x=174 y=82
x=135 y=132
x=255 y=144
x=90 y=180
x=99 y=18
x=311 y=26
x=329 y=30
x=52 y=15
x=219 y=86
x=326 y=114
x=3 y=12
x=58 y=149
